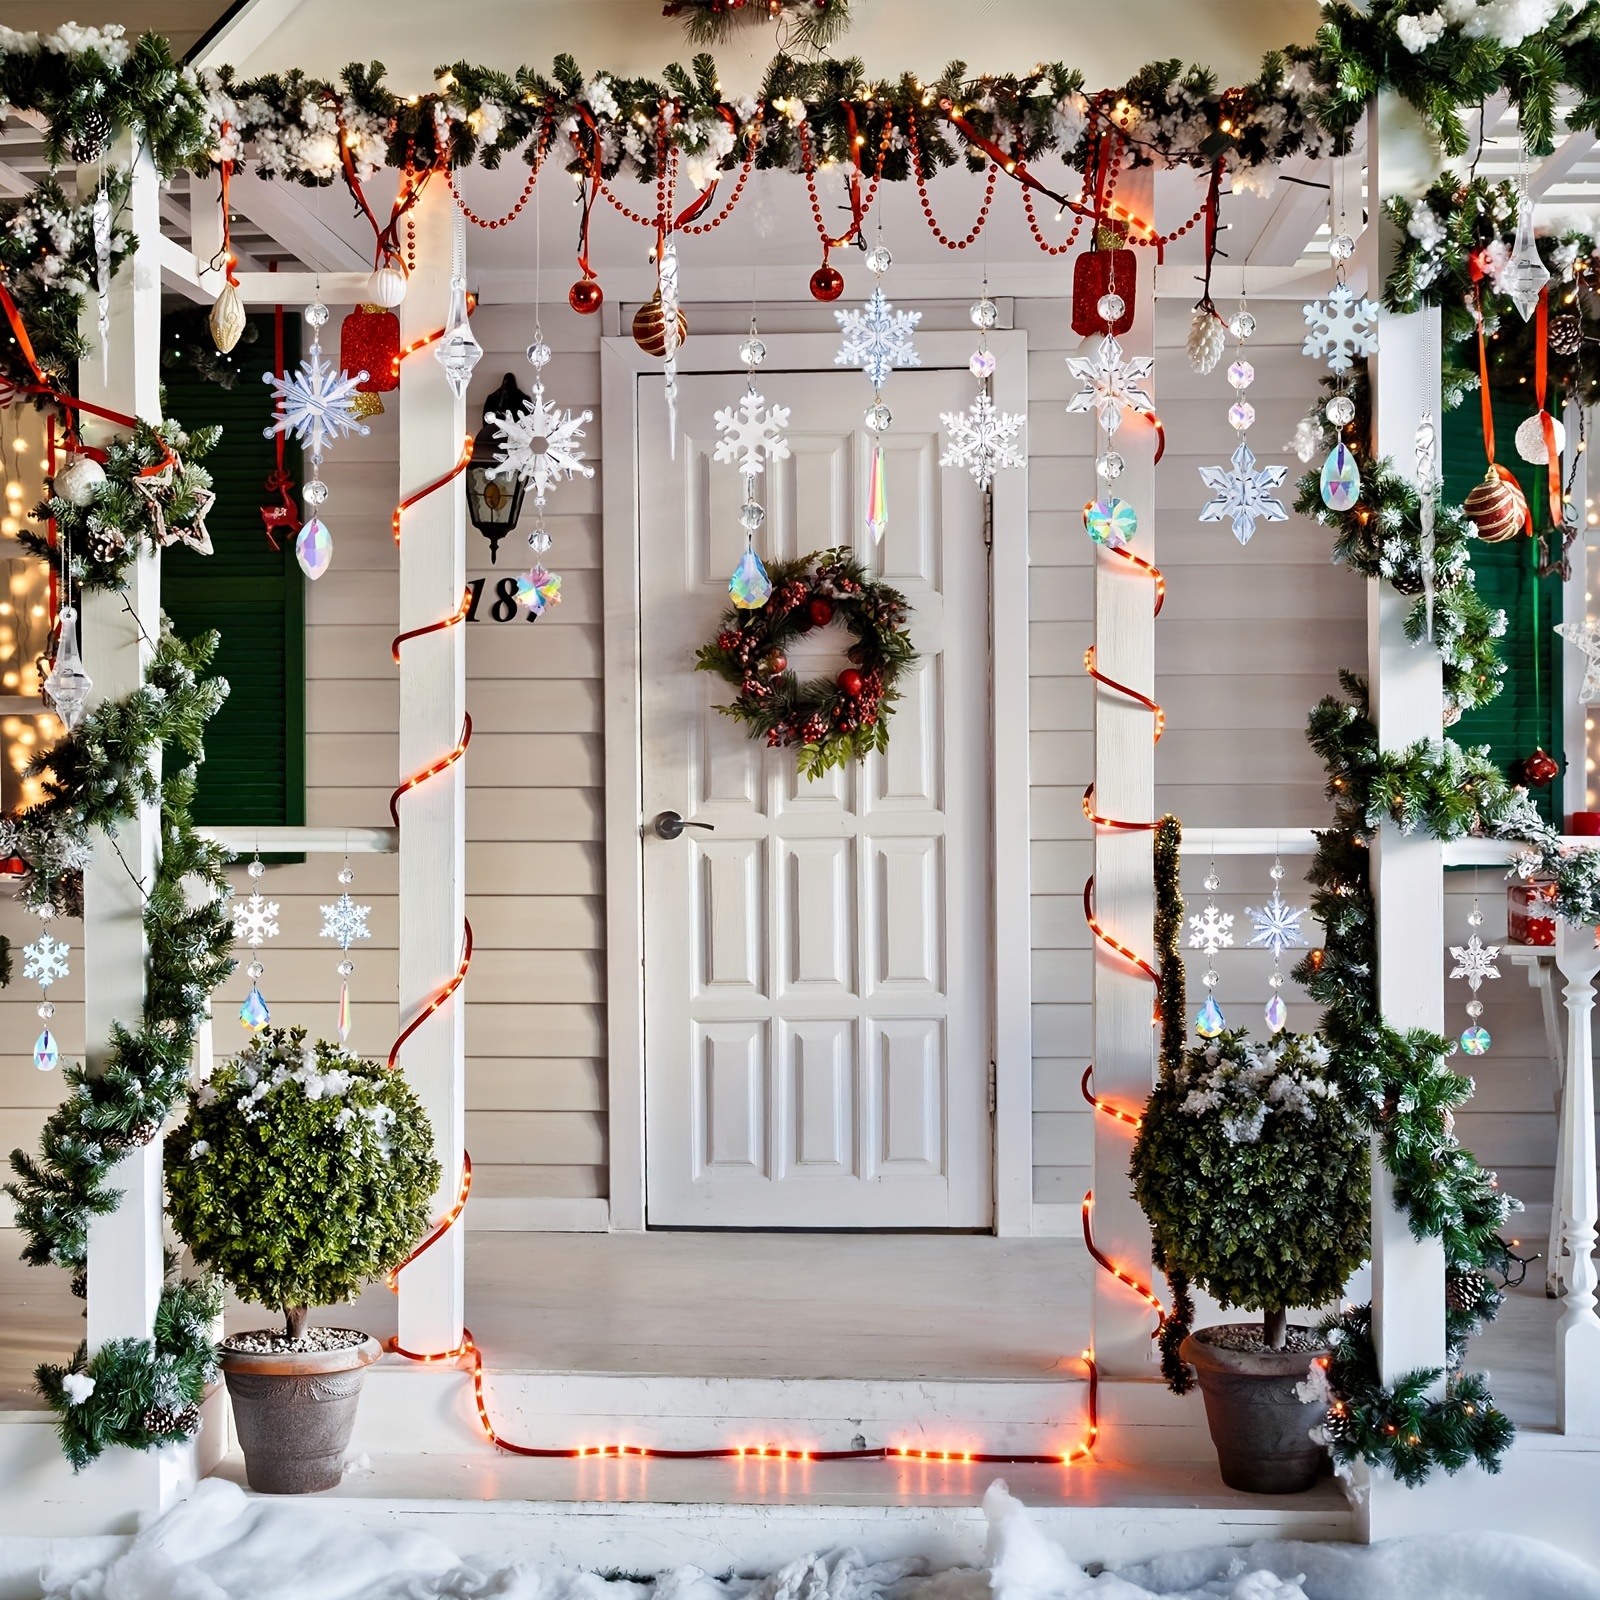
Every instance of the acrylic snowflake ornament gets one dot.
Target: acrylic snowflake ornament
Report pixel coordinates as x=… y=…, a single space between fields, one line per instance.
x=539 y=444
x=317 y=403
x=981 y=439
x=345 y=921
x=1211 y=930
x=45 y=960
x=1341 y=328
x=1242 y=493
x=256 y=920
x=1111 y=385
x=1475 y=961
x=877 y=339
x=1586 y=636
x=1277 y=925
x=752 y=434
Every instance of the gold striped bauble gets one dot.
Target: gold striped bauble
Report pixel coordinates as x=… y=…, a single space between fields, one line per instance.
x=650 y=327
x=1499 y=510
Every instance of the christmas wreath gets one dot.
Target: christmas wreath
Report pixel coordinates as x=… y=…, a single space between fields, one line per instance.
x=833 y=720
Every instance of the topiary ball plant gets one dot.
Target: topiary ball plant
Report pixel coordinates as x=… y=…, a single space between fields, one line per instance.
x=1252 y=1167
x=300 y=1172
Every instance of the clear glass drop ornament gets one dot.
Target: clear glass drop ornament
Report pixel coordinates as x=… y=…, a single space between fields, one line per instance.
x=67 y=688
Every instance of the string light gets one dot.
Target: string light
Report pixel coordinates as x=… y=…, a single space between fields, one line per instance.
x=432 y=772
x=438 y=483
x=1104 y=1106
x=1143 y=1291
x=457 y=616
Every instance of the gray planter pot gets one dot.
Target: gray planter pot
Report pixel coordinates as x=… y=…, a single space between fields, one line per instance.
x=1259 y=1425
x=294 y=1411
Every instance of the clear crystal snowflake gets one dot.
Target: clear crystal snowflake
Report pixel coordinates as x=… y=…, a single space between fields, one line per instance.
x=345 y=921
x=877 y=339
x=981 y=439
x=1342 y=328
x=539 y=443
x=1586 y=636
x=1211 y=931
x=45 y=960
x=318 y=403
x=1475 y=961
x=1277 y=925
x=752 y=434
x=256 y=920
x=1242 y=493
x=1112 y=384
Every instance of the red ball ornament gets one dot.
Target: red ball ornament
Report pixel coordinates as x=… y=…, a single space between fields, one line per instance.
x=1499 y=510
x=585 y=296
x=850 y=682
x=820 y=612
x=827 y=282
x=1538 y=769
x=776 y=662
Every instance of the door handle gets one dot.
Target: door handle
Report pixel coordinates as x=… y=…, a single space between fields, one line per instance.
x=669 y=825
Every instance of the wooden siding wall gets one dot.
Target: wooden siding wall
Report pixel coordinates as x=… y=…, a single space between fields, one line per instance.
x=1249 y=639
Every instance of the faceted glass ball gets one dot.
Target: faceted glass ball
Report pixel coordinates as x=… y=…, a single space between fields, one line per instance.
x=257 y=869
x=752 y=514
x=539 y=540
x=1340 y=410
x=346 y=875
x=316 y=314
x=314 y=492
x=752 y=352
x=879 y=417
x=256 y=970
x=1110 y=307
x=1241 y=414
x=982 y=363
x=879 y=260
x=346 y=967
x=1109 y=466
x=1241 y=374
x=1341 y=247
x=1241 y=325
x=538 y=355
x=985 y=314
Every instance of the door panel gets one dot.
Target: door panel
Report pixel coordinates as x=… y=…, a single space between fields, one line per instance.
x=809 y=1059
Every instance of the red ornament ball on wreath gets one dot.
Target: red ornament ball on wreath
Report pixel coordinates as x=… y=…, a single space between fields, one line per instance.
x=585 y=297
x=850 y=681
x=776 y=662
x=819 y=613
x=1499 y=510
x=827 y=282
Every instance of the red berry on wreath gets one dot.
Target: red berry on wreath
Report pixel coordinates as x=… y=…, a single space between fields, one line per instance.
x=827 y=282
x=820 y=612
x=776 y=662
x=850 y=682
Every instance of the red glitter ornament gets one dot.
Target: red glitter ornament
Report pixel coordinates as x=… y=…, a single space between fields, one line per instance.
x=369 y=341
x=585 y=296
x=1095 y=274
x=827 y=282
x=1538 y=769
x=850 y=681
x=820 y=613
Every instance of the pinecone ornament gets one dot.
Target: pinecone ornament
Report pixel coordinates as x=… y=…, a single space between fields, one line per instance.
x=1207 y=339
x=140 y=1134
x=1566 y=334
x=1464 y=1291
x=80 y=1285
x=105 y=543
x=87 y=142
x=162 y=1420
x=1337 y=1423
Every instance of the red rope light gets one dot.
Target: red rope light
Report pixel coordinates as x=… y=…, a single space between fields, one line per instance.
x=1105 y=1107
x=427 y=489
x=1142 y=1290
x=432 y=771
x=417 y=1021
x=1105 y=938
x=458 y=615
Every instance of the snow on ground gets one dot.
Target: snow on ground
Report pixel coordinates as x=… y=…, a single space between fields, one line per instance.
x=221 y=1545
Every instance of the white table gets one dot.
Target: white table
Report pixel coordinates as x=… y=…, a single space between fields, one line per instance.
x=1539 y=961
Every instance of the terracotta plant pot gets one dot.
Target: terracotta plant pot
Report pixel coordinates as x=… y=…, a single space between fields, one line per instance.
x=293 y=1411
x=1259 y=1424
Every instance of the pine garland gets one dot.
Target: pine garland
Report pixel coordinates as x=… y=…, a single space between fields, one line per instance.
x=812 y=24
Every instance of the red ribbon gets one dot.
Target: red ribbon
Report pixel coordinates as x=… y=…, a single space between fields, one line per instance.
x=1547 y=423
x=1503 y=473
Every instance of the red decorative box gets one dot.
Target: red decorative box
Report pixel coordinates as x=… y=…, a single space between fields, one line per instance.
x=1528 y=917
x=1584 y=822
x=1101 y=272
x=369 y=341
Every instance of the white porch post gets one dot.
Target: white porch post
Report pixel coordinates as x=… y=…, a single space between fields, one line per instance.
x=1124 y=771
x=433 y=815
x=125 y=1263
x=1407 y=873
x=1578 y=1332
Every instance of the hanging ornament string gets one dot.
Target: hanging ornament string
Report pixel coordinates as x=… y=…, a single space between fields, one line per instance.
x=993 y=177
x=541 y=147
x=859 y=207
x=225 y=258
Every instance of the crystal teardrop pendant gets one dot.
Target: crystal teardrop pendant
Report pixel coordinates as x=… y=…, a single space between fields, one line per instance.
x=1277 y=1013
x=67 y=688
x=749 y=587
x=313 y=548
x=458 y=352
x=877 y=496
x=1341 y=479
x=45 y=1052
x=1525 y=275
x=344 y=1012
x=253 y=1013
x=1210 y=1021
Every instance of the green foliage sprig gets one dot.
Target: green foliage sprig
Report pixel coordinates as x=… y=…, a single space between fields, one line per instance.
x=810 y=24
x=830 y=724
x=300 y=1172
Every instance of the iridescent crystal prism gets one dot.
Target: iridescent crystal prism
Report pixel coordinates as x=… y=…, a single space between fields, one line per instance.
x=253 y=1013
x=1277 y=1013
x=46 y=1054
x=1110 y=521
x=1210 y=1021
x=1525 y=275
x=750 y=588
x=1475 y=1041
x=344 y=1012
x=1341 y=479
x=67 y=688
x=313 y=548
x=538 y=589
x=877 y=496
x=982 y=364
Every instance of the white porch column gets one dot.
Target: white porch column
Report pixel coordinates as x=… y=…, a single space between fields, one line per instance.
x=432 y=816
x=1124 y=771
x=1578 y=1332
x=125 y=1263
x=1407 y=873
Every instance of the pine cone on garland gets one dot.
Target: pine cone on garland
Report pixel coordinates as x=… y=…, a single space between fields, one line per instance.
x=158 y=1419
x=88 y=141
x=80 y=1285
x=105 y=542
x=139 y=1135
x=1566 y=334
x=1465 y=1291
x=1207 y=339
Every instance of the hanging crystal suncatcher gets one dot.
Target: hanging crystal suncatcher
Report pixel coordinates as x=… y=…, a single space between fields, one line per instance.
x=44 y=961
x=751 y=435
x=1277 y=928
x=982 y=439
x=1211 y=930
x=1475 y=961
x=255 y=921
x=345 y=921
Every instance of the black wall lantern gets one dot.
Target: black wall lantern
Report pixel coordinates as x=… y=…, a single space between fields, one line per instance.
x=495 y=503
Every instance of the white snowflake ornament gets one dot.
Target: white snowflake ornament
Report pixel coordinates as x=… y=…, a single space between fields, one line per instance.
x=752 y=435
x=877 y=339
x=256 y=920
x=1586 y=636
x=1211 y=930
x=45 y=960
x=1277 y=925
x=1475 y=961
x=317 y=403
x=345 y=921
x=981 y=439
x=1112 y=385
x=1341 y=328
x=1242 y=494
x=539 y=444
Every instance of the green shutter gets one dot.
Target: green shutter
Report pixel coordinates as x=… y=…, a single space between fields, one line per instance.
x=1527 y=711
x=255 y=766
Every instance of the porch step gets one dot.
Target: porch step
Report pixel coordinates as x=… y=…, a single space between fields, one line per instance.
x=408 y=1408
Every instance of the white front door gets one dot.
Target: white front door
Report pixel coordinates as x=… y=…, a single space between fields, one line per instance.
x=817 y=967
